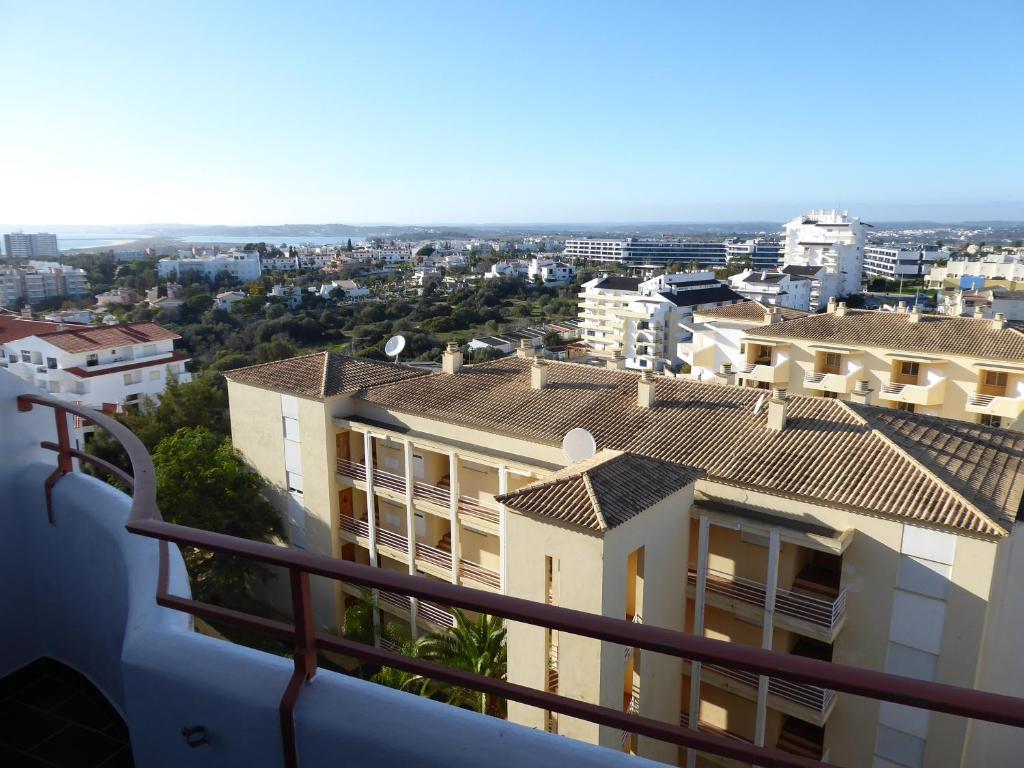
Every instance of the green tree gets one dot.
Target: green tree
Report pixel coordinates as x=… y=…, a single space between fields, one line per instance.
x=474 y=646
x=349 y=247
x=202 y=482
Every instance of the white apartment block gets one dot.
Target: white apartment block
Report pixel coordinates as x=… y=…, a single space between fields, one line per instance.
x=993 y=266
x=508 y=269
x=551 y=272
x=761 y=253
x=647 y=324
x=830 y=239
x=19 y=245
x=895 y=263
x=39 y=280
x=242 y=265
x=103 y=367
x=986 y=304
x=777 y=289
x=640 y=251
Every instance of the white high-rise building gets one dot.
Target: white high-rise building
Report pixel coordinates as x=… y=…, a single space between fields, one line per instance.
x=20 y=245
x=830 y=239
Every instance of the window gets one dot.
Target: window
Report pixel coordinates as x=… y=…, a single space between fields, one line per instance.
x=154 y=375
x=908 y=407
x=995 y=379
x=830 y=395
x=988 y=420
x=148 y=349
x=133 y=378
x=294 y=480
x=26 y=356
x=51 y=363
x=92 y=359
x=908 y=368
x=832 y=361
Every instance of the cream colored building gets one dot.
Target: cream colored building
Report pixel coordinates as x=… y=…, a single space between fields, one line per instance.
x=866 y=536
x=967 y=368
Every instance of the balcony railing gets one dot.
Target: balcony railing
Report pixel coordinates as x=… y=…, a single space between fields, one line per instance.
x=996 y=405
x=355 y=527
x=920 y=394
x=768 y=372
x=811 y=696
x=432 y=493
x=434 y=556
x=428 y=611
x=351 y=470
x=829 y=382
x=814 y=610
x=479 y=509
x=145 y=520
x=480 y=574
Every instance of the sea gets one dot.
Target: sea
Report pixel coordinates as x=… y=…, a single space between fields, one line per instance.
x=72 y=240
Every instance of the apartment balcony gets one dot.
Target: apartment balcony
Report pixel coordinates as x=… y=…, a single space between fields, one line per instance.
x=917 y=394
x=829 y=382
x=479 y=575
x=996 y=405
x=427 y=611
x=777 y=373
x=811 y=615
x=724 y=762
x=810 y=703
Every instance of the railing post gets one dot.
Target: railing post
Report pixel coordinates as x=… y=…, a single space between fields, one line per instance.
x=698 y=629
x=767 y=631
x=371 y=523
x=410 y=528
x=305 y=662
x=453 y=490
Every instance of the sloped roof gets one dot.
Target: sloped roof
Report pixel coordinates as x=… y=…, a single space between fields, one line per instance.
x=601 y=492
x=619 y=283
x=754 y=311
x=86 y=338
x=943 y=334
x=695 y=296
x=322 y=374
x=14 y=328
x=828 y=452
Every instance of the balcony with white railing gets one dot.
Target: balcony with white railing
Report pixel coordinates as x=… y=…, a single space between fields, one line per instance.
x=797 y=611
x=918 y=394
x=810 y=703
x=772 y=373
x=829 y=382
x=1007 y=406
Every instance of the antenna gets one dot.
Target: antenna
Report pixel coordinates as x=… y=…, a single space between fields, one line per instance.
x=759 y=404
x=577 y=445
x=394 y=347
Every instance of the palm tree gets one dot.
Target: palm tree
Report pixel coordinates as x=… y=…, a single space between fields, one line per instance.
x=474 y=646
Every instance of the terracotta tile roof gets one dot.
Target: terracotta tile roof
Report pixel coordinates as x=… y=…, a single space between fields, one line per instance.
x=322 y=374
x=942 y=334
x=14 y=328
x=828 y=452
x=601 y=492
x=85 y=338
x=754 y=311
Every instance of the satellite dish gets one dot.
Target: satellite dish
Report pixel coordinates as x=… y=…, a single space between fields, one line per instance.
x=394 y=347
x=759 y=404
x=577 y=445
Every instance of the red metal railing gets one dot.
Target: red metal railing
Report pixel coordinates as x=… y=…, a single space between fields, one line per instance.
x=479 y=509
x=144 y=520
x=351 y=469
x=432 y=493
x=480 y=574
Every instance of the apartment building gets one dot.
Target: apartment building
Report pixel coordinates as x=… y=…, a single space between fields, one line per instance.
x=639 y=251
x=242 y=265
x=38 y=280
x=550 y=271
x=966 y=368
x=988 y=304
x=993 y=266
x=893 y=263
x=36 y=245
x=778 y=289
x=761 y=253
x=103 y=367
x=867 y=536
x=645 y=324
x=830 y=239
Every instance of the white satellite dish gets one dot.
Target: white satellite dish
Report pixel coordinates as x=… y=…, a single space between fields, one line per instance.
x=759 y=404
x=577 y=445
x=394 y=347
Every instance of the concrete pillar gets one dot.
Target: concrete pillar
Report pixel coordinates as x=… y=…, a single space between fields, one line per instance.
x=410 y=528
x=371 y=523
x=767 y=630
x=453 y=470
x=698 y=630
x=503 y=527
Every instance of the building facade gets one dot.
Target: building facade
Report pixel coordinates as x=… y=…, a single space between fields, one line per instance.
x=774 y=288
x=894 y=263
x=37 y=245
x=242 y=265
x=997 y=266
x=830 y=239
x=38 y=280
x=819 y=528
x=964 y=368
x=646 y=324
x=639 y=251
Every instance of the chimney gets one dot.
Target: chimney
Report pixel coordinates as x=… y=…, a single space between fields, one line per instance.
x=26 y=312
x=538 y=374
x=645 y=390
x=861 y=392
x=451 y=360
x=915 y=314
x=901 y=307
x=726 y=375
x=840 y=309
x=979 y=312
x=616 y=363
x=999 y=321
x=526 y=349
x=774 y=316
x=777 y=407
x=831 y=304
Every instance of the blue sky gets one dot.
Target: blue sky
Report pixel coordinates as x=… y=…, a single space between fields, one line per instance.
x=452 y=112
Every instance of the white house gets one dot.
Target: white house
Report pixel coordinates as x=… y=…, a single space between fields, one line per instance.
x=993 y=266
x=103 y=367
x=508 y=269
x=292 y=293
x=227 y=299
x=779 y=289
x=242 y=265
x=830 y=239
x=551 y=272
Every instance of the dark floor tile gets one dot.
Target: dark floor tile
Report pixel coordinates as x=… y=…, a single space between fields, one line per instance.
x=21 y=678
x=84 y=709
x=45 y=693
x=11 y=758
x=23 y=727
x=117 y=730
x=78 y=747
x=122 y=759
